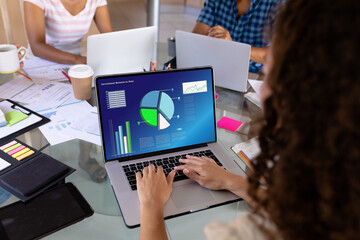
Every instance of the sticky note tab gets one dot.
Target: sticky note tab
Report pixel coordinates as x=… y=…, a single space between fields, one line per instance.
x=15 y=117
x=216 y=95
x=8 y=145
x=16 y=150
x=4 y=164
x=25 y=155
x=229 y=124
x=12 y=147
x=25 y=150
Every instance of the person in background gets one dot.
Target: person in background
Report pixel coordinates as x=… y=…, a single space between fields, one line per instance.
x=240 y=21
x=310 y=138
x=56 y=27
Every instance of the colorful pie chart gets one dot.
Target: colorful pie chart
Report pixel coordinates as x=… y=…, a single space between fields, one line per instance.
x=156 y=109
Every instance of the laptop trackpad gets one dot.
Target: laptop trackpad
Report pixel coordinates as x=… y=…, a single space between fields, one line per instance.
x=190 y=194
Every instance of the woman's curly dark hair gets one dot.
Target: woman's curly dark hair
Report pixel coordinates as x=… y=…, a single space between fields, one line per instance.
x=310 y=139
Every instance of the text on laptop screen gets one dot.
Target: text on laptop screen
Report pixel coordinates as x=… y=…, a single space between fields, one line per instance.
x=150 y=112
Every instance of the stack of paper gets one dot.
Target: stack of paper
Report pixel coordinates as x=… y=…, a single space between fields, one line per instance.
x=43 y=71
x=74 y=121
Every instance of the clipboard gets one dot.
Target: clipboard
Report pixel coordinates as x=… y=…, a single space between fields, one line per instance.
x=33 y=120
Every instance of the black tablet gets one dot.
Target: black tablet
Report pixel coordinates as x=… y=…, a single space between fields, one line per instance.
x=45 y=214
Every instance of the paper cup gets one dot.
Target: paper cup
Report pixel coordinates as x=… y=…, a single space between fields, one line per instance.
x=81 y=77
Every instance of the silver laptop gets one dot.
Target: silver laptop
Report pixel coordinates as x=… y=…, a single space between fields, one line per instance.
x=229 y=59
x=157 y=118
x=122 y=51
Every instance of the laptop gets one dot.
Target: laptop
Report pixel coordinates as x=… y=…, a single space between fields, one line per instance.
x=122 y=51
x=158 y=118
x=229 y=59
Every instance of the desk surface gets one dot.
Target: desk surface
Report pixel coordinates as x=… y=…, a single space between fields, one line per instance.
x=107 y=222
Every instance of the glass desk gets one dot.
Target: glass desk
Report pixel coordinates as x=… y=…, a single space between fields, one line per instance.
x=107 y=223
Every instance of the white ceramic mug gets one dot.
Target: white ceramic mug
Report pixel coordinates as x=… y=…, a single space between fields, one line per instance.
x=9 y=59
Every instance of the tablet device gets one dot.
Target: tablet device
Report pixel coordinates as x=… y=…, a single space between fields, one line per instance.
x=45 y=214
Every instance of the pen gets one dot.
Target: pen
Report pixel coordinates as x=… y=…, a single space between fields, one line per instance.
x=24 y=75
x=164 y=67
x=151 y=64
x=23 y=70
x=143 y=69
x=66 y=76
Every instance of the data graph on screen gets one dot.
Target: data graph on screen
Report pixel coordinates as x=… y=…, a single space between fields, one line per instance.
x=194 y=87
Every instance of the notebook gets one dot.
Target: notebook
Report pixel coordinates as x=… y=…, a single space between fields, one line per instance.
x=158 y=118
x=229 y=59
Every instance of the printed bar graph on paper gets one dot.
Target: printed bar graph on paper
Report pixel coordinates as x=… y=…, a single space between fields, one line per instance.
x=115 y=99
x=128 y=133
x=194 y=87
x=117 y=143
x=121 y=140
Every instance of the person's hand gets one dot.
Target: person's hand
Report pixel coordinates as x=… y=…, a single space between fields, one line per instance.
x=154 y=188
x=20 y=56
x=219 y=32
x=205 y=171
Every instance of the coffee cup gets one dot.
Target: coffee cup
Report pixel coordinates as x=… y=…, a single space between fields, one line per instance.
x=9 y=58
x=81 y=78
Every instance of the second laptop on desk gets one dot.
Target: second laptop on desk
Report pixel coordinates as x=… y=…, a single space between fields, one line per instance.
x=158 y=117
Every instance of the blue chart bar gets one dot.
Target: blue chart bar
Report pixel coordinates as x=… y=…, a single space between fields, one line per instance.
x=121 y=138
x=117 y=143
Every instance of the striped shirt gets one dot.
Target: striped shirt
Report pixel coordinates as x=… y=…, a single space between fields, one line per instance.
x=248 y=28
x=63 y=30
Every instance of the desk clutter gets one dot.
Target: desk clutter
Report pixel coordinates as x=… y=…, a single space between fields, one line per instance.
x=25 y=172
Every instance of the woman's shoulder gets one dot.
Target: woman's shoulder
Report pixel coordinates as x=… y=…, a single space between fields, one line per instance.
x=249 y=227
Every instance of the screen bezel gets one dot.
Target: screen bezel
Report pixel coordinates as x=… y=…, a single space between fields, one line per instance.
x=155 y=153
x=88 y=211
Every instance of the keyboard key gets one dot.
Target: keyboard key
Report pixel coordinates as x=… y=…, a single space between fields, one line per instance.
x=128 y=174
x=133 y=187
x=126 y=170
x=180 y=177
x=132 y=182
x=131 y=178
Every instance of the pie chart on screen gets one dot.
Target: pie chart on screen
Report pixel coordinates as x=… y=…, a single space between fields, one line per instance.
x=156 y=109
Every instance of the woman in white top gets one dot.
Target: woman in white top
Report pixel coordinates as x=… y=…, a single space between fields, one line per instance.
x=310 y=138
x=56 y=27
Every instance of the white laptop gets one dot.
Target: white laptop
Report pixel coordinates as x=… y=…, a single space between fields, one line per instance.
x=229 y=59
x=122 y=51
x=159 y=117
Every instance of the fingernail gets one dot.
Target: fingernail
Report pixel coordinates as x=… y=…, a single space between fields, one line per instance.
x=186 y=171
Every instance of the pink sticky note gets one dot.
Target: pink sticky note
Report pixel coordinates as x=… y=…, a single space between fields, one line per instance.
x=216 y=96
x=229 y=124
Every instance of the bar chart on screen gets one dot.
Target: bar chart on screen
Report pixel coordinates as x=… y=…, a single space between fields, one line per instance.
x=121 y=138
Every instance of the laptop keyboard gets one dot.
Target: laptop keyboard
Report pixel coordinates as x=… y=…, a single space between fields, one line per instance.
x=168 y=165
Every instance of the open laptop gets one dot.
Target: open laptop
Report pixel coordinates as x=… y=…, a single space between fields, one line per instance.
x=229 y=59
x=122 y=51
x=159 y=117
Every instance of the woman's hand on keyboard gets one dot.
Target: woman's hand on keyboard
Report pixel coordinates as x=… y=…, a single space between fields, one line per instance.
x=154 y=188
x=203 y=170
x=208 y=174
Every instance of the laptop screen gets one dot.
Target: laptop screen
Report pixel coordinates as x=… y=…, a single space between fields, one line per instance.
x=146 y=113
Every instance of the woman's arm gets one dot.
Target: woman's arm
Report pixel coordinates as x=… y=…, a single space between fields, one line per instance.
x=35 y=28
x=154 y=189
x=102 y=19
